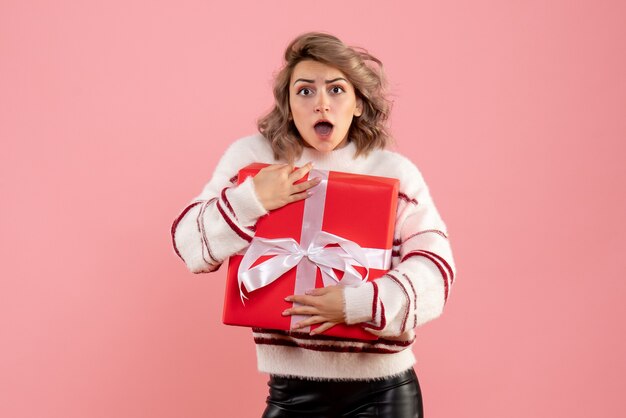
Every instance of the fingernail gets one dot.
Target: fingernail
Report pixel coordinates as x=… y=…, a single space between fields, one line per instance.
x=288 y=299
x=285 y=313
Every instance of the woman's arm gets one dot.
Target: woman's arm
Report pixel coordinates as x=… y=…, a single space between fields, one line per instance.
x=212 y=229
x=415 y=290
x=412 y=293
x=221 y=220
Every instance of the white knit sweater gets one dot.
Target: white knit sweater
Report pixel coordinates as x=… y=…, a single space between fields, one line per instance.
x=221 y=220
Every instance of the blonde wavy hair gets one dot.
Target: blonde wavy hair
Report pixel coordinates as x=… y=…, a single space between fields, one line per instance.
x=368 y=131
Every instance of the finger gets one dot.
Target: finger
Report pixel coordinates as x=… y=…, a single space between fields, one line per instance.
x=301 y=310
x=299 y=173
x=310 y=321
x=318 y=291
x=302 y=299
x=324 y=327
x=306 y=185
x=299 y=196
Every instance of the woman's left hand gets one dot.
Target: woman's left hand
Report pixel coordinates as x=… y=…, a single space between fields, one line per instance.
x=325 y=305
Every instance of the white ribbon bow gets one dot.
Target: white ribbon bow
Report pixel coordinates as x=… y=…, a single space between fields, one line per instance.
x=288 y=253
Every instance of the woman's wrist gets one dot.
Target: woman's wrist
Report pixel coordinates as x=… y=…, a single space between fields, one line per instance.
x=245 y=202
x=358 y=303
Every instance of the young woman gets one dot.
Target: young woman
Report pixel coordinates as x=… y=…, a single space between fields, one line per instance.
x=330 y=112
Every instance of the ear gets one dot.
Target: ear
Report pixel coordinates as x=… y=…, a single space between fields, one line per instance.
x=359 y=107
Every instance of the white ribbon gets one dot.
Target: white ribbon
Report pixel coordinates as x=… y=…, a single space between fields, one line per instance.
x=288 y=254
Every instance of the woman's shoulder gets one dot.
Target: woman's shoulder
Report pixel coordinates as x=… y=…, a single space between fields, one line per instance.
x=390 y=163
x=241 y=152
x=247 y=149
x=250 y=145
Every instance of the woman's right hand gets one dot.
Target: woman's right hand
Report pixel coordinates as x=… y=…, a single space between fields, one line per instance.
x=274 y=185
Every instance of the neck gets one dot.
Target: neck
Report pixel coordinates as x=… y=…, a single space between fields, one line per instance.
x=339 y=157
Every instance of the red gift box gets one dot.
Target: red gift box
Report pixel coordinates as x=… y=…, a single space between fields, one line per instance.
x=343 y=233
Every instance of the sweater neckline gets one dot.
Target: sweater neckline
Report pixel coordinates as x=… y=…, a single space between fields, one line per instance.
x=332 y=158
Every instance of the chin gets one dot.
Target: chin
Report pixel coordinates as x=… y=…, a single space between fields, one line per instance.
x=323 y=145
x=326 y=147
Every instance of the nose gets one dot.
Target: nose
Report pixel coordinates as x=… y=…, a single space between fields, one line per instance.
x=322 y=104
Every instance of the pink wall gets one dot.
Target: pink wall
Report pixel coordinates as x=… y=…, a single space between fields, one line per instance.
x=113 y=114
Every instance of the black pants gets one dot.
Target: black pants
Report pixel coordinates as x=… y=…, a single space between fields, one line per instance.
x=395 y=397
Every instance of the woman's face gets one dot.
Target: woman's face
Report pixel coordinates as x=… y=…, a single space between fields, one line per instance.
x=318 y=91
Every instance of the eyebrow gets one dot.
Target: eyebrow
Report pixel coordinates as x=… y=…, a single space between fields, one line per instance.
x=327 y=81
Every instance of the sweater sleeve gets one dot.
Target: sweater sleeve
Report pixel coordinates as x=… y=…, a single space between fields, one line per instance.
x=221 y=220
x=415 y=290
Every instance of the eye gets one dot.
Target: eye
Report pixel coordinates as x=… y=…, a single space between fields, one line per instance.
x=338 y=87
x=303 y=89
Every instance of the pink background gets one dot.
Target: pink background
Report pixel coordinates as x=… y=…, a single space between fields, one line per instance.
x=113 y=115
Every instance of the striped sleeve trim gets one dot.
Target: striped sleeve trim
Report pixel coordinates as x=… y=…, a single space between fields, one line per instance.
x=435 y=260
x=408 y=301
x=205 y=242
x=445 y=263
x=175 y=225
x=225 y=201
x=383 y=320
x=414 y=299
x=240 y=232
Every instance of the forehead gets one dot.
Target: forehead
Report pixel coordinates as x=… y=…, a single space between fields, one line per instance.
x=315 y=70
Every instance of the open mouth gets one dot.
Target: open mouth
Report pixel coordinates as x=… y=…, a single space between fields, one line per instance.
x=323 y=128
